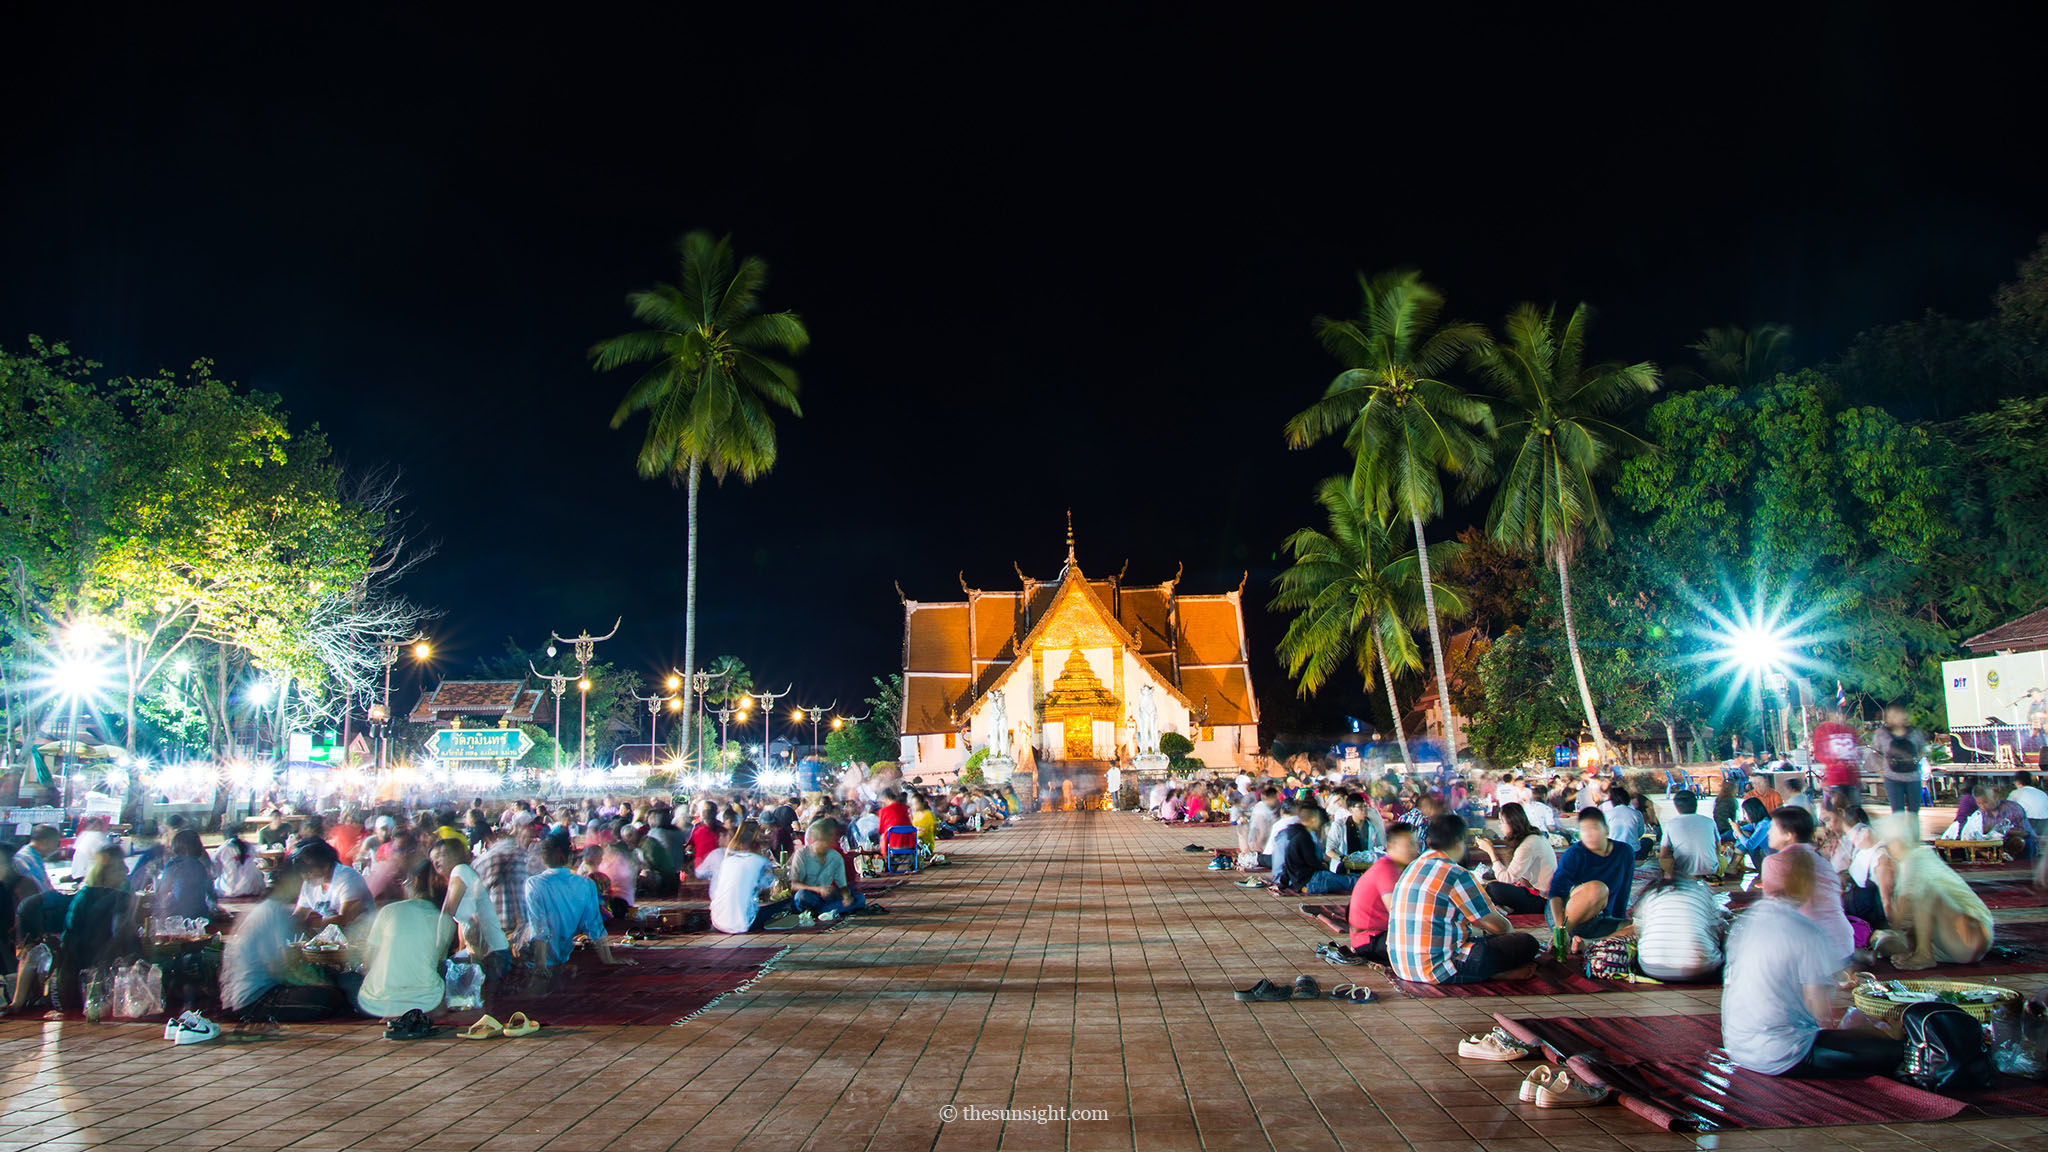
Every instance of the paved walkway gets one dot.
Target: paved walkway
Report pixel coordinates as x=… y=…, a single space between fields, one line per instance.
x=1078 y=961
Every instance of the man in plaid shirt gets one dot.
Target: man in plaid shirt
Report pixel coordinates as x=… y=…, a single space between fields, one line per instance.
x=503 y=871
x=1441 y=929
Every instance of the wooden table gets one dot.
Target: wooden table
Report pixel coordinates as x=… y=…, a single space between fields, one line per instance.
x=1972 y=851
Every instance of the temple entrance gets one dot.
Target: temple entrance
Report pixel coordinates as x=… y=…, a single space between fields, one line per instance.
x=1085 y=711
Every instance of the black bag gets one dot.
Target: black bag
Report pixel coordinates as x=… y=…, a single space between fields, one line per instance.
x=1945 y=1050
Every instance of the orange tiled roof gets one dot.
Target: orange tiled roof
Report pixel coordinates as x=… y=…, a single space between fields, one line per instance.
x=935 y=638
x=1148 y=612
x=928 y=703
x=466 y=697
x=2029 y=633
x=1227 y=691
x=998 y=619
x=1209 y=631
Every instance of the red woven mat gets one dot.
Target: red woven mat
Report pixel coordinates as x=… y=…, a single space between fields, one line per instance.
x=666 y=984
x=1671 y=1070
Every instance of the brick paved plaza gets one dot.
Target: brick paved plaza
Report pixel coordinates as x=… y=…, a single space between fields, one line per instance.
x=1080 y=961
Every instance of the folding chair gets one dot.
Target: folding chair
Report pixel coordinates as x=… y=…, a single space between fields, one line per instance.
x=891 y=850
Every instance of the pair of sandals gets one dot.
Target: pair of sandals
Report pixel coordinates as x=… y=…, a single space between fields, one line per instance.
x=1338 y=956
x=488 y=1028
x=1305 y=988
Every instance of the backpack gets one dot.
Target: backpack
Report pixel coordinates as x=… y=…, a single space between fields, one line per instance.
x=1945 y=1049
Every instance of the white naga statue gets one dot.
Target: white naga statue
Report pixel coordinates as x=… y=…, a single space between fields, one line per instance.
x=999 y=724
x=1148 y=721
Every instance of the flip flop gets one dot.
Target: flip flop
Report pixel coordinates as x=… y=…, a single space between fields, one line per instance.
x=520 y=1025
x=1352 y=993
x=1250 y=882
x=484 y=1029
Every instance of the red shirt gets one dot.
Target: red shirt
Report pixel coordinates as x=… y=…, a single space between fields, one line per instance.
x=893 y=815
x=346 y=839
x=1368 y=915
x=1834 y=745
x=704 y=840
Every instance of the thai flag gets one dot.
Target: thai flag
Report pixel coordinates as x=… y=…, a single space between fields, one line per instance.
x=1841 y=697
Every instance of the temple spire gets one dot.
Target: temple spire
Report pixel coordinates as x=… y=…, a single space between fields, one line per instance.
x=1070 y=537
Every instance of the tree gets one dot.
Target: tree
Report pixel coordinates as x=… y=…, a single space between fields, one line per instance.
x=1403 y=424
x=1734 y=358
x=1355 y=593
x=872 y=740
x=1554 y=439
x=712 y=383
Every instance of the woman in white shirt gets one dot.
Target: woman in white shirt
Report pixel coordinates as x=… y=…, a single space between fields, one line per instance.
x=477 y=928
x=743 y=878
x=1520 y=882
x=408 y=941
x=240 y=872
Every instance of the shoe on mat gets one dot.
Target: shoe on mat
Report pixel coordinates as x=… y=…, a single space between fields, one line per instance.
x=827 y=917
x=414 y=1025
x=485 y=1029
x=1496 y=1045
x=1219 y=865
x=1264 y=992
x=194 y=1029
x=1338 y=955
x=1565 y=1091
x=1306 y=988
x=1534 y=1080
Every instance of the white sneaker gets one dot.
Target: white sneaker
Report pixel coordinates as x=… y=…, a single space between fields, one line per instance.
x=1495 y=1045
x=195 y=1029
x=1537 y=1079
x=175 y=1023
x=827 y=917
x=1562 y=1091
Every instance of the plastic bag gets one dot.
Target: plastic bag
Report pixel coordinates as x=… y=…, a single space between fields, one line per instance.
x=98 y=995
x=36 y=964
x=138 y=991
x=463 y=983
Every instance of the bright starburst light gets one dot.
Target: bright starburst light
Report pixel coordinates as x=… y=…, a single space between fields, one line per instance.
x=1742 y=646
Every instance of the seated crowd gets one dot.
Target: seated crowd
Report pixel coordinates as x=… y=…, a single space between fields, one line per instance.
x=1431 y=889
x=512 y=891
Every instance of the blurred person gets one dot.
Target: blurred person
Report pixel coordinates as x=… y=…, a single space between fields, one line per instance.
x=1372 y=898
x=241 y=873
x=1441 y=929
x=707 y=839
x=658 y=874
x=92 y=836
x=1588 y=895
x=1624 y=823
x=818 y=879
x=185 y=886
x=1835 y=748
x=1779 y=989
x=1523 y=863
x=332 y=892
x=560 y=905
x=661 y=827
x=503 y=863
x=1791 y=837
x=1679 y=930
x=743 y=878
x=402 y=855
x=101 y=928
x=1690 y=845
x=1901 y=747
x=263 y=976
x=1934 y=916
x=34 y=859
x=477 y=930
x=275 y=832
x=925 y=821
x=402 y=957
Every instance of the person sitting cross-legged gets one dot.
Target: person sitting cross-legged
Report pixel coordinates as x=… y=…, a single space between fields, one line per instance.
x=1372 y=898
x=744 y=877
x=1441 y=929
x=1691 y=845
x=1779 y=989
x=1298 y=856
x=1792 y=837
x=1589 y=891
x=560 y=905
x=1679 y=929
x=818 y=876
x=1522 y=878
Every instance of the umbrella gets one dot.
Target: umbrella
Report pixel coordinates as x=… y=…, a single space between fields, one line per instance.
x=80 y=750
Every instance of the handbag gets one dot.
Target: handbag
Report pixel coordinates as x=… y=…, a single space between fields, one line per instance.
x=1610 y=959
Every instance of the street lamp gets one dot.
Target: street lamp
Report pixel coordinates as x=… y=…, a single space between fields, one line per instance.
x=725 y=713
x=75 y=676
x=817 y=717
x=768 y=700
x=701 y=681
x=585 y=646
x=387 y=651
x=557 y=685
x=654 y=704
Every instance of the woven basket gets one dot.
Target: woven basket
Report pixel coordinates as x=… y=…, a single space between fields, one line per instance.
x=1880 y=1008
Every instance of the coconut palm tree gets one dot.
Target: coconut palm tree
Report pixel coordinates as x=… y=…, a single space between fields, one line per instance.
x=1738 y=359
x=712 y=383
x=1404 y=425
x=1356 y=592
x=1555 y=437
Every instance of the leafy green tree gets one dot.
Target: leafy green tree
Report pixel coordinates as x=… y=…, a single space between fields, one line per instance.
x=873 y=739
x=2022 y=306
x=1404 y=425
x=711 y=384
x=1740 y=359
x=1555 y=437
x=1356 y=593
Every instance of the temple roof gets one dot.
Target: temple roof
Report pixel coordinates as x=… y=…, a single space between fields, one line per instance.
x=955 y=651
x=509 y=698
x=2029 y=633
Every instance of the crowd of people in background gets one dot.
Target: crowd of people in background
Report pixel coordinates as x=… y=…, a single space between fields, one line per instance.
x=357 y=911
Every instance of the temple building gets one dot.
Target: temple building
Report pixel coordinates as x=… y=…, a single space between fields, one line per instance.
x=1075 y=670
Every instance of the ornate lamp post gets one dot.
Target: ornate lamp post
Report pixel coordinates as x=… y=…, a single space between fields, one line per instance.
x=585 y=648
x=558 y=685
x=768 y=700
x=654 y=704
x=724 y=714
x=700 y=682
x=817 y=717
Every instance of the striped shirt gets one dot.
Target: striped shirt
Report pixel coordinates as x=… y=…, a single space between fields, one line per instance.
x=503 y=871
x=1428 y=932
x=1678 y=931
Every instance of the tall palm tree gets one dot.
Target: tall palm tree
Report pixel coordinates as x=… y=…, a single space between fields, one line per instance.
x=1356 y=592
x=1740 y=359
x=712 y=382
x=1404 y=425
x=1555 y=436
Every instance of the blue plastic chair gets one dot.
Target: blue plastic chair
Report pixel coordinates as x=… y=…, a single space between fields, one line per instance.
x=891 y=850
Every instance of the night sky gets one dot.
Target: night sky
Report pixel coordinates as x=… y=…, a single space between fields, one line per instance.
x=1048 y=263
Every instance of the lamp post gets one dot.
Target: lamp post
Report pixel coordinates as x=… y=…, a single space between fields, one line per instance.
x=654 y=704
x=817 y=717
x=768 y=700
x=701 y=681
x=557 y=685
x=381 y=714
x=724 y=714
x=584 y=646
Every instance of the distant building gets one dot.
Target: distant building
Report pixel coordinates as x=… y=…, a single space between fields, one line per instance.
x=480 y=704
x=1071 y=658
